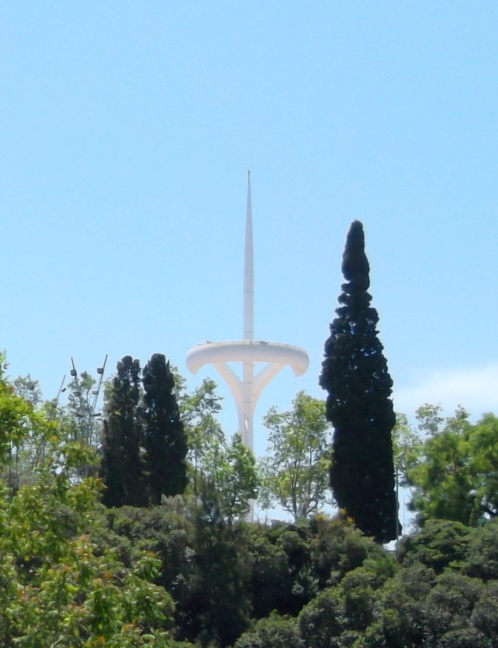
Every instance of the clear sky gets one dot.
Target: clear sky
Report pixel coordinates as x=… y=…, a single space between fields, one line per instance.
x=126 y=132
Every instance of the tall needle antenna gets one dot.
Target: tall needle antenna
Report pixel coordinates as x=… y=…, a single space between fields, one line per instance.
x=248 y=270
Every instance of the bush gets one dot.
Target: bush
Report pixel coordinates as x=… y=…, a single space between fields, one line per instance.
x=273 y=632
x=482 y=554
x=441 y=544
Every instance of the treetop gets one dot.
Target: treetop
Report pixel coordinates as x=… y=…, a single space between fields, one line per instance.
x=355 y=266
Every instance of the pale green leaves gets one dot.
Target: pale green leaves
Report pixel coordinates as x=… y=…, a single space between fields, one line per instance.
x=295 y=473
x=223 y=473
x=453 y=468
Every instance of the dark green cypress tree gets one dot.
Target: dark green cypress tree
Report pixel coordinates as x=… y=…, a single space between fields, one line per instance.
x=356 y=377
x=164 y=440
x=122 y=468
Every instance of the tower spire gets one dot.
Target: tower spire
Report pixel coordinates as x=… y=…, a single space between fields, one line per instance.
x=248 y=313
x=273 y=357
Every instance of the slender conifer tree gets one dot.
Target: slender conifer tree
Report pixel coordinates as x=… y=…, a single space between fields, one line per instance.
x=164 y=437
x=356 y=377
x=122 y=465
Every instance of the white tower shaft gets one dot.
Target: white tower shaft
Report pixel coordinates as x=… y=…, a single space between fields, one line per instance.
x=248 y=396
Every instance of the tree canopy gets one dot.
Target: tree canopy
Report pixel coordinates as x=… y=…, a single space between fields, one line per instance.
x=144 y=445
x=164 y=437
x=61 y=586
x=294 y=472
x=451 y=466
x=223 y=475
x=122 y=467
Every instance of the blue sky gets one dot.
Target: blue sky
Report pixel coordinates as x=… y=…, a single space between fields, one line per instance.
x=127 y=130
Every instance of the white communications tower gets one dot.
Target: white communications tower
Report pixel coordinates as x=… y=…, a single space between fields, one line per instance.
x=248 y=351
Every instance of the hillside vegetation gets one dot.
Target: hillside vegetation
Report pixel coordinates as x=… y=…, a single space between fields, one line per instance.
x=190 y=571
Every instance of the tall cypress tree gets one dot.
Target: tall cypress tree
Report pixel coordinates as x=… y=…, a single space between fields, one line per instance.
x=356 y=377
x=122 y=466
x=164 y=440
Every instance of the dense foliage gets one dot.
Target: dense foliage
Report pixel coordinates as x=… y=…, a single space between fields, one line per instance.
x=164 y=437
x=294 y=472
x=320 y=583
x=144 y=445
x=451 y=466
x=191 y=572
x=355 y=375
x=222 y=473
x=60 y=586
x=122 y=467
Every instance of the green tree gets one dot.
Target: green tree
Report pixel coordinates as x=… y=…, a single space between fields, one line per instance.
x=63 y=590
x=271 y=579
x=199 y=411
x=294 y=474
x=356 y=377
x=454 y=470
x=76 y=423
x=322 y=621
x=272 y=632
x=449 y=607
x=222 y=474
x=226 y=480
x=79 y=415
x=483 y=466
x=485 y=613
x=24 y=430
x=164 y=437
x=168 y=532
x=338 y=547
x=122 y=467
x=401 y=608
x=59 y=587
x=220 y=604
x=439 y=545
x=482 y=556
